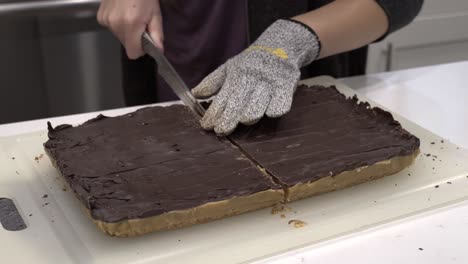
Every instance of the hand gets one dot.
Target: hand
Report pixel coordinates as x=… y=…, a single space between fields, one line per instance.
x=128 y=19
x=261 y=80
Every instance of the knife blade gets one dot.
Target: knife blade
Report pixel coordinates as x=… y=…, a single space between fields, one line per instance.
x=169 y=74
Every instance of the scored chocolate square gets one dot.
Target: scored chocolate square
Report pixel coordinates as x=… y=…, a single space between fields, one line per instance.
x=156 y=169
x=327 y=142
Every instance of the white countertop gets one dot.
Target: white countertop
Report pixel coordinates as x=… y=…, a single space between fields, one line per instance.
x=433 y=97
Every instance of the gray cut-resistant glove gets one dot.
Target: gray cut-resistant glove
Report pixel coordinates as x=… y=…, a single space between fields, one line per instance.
x=260 y=80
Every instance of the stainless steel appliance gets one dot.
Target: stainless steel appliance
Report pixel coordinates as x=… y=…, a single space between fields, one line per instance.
x=55 y=60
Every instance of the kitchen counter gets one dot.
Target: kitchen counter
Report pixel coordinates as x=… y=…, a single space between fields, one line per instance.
x=433 y=97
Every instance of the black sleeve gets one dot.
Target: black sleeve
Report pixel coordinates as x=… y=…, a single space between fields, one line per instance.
x=399 y=12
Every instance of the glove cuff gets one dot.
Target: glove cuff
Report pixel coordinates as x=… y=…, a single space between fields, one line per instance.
x=291 y=40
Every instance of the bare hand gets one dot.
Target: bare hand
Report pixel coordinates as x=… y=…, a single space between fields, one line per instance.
x=128 y=19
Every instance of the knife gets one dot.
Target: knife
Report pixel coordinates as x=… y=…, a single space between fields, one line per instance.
x=171 y=77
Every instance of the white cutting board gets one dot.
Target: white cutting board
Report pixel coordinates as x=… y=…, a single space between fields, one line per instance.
x=61 y=233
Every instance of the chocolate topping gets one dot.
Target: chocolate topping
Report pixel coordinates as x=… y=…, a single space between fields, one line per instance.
x=149 y=162
x=158 y=159
x=323 y=135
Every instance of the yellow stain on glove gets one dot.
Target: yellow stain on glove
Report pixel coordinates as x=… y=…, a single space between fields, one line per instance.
x=278 y=52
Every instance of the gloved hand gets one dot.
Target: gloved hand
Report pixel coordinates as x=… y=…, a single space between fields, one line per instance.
x=260 y=80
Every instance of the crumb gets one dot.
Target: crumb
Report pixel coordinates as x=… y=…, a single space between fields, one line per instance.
x=433 y=168
x=396 y=184
x=52 y=221
x=435 y=156
x=458 y=147
x=437 y=186
x=280 y=209
x=17 y=172
x=428 y=155
x=409 y=174
x=38 y=158
x=442 y=141
x=375 y=201
x=178 y=240
x=440 y=160
x=13 y=158
x=433 y=159
x=45 y=204
x=297 y=223
x=449 y=182
x=421 y=248
x=45 y=196
x=432 y=143
x=282 y=215
x=64 y=189
x=30 y=215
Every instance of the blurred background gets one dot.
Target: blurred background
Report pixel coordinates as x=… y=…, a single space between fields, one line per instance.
x=56 y=60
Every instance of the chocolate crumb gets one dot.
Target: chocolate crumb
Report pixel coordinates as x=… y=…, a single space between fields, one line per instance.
x=45 y=196
x=437 y=186
x=409 y=174
x=433 y=168
x=178 y=240
x=428 y=155
x=458 y=147
x=421 y=249
x=13 y=158
x=442 y=141
x=449 y=182
x=30 y=214
x=52 y=221
x=432 y=143
x=37 y=158
x=17 y=172
x=396 y=184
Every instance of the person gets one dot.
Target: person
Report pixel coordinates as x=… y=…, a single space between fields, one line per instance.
x=249 y=53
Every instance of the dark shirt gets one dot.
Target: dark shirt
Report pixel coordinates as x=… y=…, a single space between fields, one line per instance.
x=201 y=35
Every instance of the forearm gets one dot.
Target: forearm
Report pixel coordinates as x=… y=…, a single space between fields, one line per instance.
x=345 y=25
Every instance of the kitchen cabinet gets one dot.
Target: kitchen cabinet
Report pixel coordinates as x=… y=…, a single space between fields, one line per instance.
x=438 y=35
